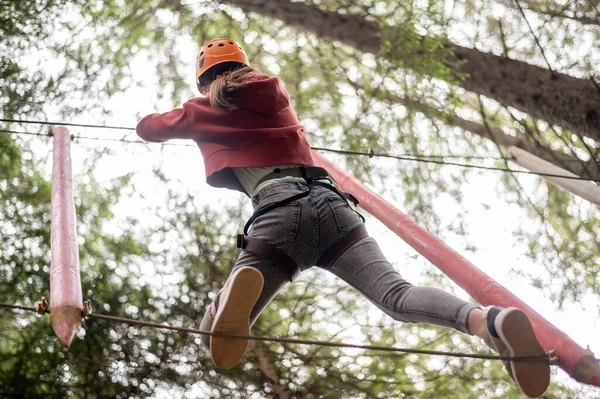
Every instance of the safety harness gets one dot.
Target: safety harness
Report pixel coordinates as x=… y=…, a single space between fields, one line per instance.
x=267 y=251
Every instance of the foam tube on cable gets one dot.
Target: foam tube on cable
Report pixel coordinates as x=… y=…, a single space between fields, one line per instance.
x=66 y=299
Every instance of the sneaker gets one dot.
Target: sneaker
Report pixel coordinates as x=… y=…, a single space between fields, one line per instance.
x=233 y=307
x=516 y=338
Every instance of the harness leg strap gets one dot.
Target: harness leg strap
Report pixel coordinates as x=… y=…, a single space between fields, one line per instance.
x=269 y=252
x=331 y=254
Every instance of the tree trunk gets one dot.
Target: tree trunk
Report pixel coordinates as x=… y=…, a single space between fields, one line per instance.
x=573 y=165
x=560 y=99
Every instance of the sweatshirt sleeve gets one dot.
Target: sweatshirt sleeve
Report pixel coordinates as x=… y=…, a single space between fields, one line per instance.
x=162 y=127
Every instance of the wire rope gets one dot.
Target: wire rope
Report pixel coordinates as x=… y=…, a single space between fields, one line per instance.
x=142 y=323
x=370 y=154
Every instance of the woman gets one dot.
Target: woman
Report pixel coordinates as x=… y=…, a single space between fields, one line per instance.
x=252 y=141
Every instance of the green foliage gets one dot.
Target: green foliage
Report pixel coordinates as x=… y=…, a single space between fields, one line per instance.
x=424 y=55
x=567 y=233
x=28 y=37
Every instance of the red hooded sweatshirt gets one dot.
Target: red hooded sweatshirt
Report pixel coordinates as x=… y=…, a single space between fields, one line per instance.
x=262 y=131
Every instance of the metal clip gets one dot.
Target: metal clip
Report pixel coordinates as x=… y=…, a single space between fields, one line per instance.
x=241 y=242
x=41 y=306
x=87 y=309
x=552 y=357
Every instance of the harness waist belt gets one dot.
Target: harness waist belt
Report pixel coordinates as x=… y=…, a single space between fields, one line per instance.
x=311 y=172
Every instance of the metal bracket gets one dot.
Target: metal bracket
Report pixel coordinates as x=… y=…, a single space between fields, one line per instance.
x=552 y=357
x=87 y=309
x=41 y=306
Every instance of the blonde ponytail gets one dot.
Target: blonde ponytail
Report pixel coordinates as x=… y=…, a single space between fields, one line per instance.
x=222 y=90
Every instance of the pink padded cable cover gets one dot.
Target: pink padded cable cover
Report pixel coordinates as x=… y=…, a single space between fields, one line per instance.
x=66 y=301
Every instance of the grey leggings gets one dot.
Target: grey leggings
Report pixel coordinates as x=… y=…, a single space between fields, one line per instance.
x=305 y=228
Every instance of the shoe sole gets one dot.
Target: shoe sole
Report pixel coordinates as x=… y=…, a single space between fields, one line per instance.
x=233 y=317
x=517 y=334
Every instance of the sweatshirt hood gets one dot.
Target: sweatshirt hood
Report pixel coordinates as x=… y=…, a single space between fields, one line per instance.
x=263 y=95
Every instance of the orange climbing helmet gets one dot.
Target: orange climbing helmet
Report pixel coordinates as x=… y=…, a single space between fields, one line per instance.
x=223 y=52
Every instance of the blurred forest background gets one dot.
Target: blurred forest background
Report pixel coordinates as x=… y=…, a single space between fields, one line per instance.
x=456 y=81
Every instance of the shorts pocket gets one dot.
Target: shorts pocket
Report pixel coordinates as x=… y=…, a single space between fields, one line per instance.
x=278 y=226
x=339 y=208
